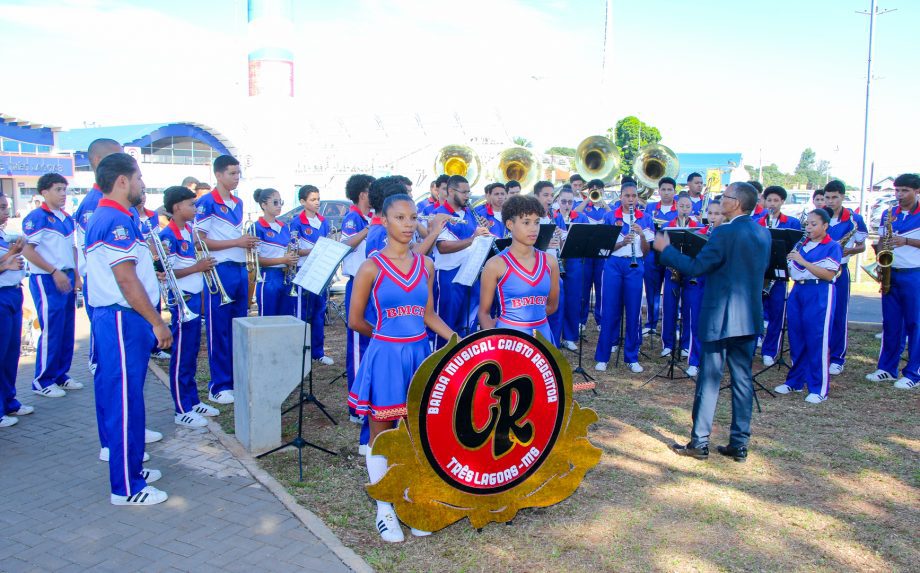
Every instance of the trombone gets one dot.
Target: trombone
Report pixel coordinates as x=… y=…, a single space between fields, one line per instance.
x=211 y=277
x=169 y=287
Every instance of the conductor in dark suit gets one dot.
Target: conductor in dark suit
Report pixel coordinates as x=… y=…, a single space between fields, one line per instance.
x=731 y=317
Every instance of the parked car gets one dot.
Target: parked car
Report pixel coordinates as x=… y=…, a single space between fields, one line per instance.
x=876 y=213
x=334 y=211
x=796 y=202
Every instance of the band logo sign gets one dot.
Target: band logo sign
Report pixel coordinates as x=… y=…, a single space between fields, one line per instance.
x=492 y=428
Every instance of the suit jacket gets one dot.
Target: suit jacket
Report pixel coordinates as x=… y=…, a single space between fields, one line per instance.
x=734 y=261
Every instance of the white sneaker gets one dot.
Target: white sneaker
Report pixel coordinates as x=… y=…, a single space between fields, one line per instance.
x=614 y=348
x=363 y=449
x=759 y=342
x=906 y=383
x=22 y=411
x=388 y=526
x=92 y=368
x=692 y=371
x=879 y=376
x=835 y=369
x=104 y=455
x=636 y=367
x=768 y=361
x=203 y=409
x=684 y=353
x=71 y=384
x=783 y=389
x=601 y=366
x=645 y=331
x=879 y=336
x=666 y=352
x=222 y=397
x=190 y=420
x=147 y=496
x=151 y=476
x=418 y=532
x=814 y=399
x=53 y=391
x=160 y=355
x=327 y=361
x=7 y=421
x=569 y=345
x=151 y=436
x=355 y=419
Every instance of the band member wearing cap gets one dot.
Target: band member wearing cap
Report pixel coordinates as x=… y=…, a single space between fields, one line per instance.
x=695 y=191
x=276 y=258
x=813 y=264
x=543 y=191
x=52 y=260
x=844 y=223
x=11 y=275
x=123 y=295
x=456 y=303
x=179 y=240
x=690 y=295
x=308 y=227
x=355 y=227
x=398 y=283
x=900 y=305
x=660 y=212
x=573 y=281
x=593 y=269
x=774 y=302
x=491 y=210
x=525 y=279
x=623 y=280
x=219 y=223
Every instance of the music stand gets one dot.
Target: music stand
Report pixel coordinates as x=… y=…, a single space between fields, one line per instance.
x=543 y=239
x=587 y=241
x=689 y=242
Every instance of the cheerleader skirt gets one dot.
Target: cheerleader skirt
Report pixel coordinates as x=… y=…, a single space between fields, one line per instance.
x=382 y=381
x=542 y=328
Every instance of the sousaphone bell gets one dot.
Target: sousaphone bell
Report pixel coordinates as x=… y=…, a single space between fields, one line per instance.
x=456 y=159
x=653 y=163
x=518 y=164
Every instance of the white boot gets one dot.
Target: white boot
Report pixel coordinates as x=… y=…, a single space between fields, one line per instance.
x=387 y=524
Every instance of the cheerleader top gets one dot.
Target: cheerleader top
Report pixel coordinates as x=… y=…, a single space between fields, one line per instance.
x=399 y=300
x=522 y=293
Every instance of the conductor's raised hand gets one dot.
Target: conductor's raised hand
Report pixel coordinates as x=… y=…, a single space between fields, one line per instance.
x=662 y=241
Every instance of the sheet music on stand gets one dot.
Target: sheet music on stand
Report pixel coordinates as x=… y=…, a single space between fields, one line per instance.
x=321 y=264
x=478 y=253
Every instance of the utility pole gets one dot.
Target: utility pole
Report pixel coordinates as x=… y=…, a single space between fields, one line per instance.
x=872 y=13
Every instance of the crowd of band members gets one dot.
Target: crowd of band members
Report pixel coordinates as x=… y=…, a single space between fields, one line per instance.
x=104 y=249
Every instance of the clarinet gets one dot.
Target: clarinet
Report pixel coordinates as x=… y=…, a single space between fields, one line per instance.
x=633 y=262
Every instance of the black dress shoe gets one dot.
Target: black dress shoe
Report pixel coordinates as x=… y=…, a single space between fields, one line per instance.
x=698 y=453
x=738 y=454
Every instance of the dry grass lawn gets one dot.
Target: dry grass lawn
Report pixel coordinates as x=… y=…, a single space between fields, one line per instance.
x=829 y=487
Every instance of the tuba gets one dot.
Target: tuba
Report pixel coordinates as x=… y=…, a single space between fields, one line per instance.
x=652 y=163
x=518 y=164
x=597 y=158
x=458 y=159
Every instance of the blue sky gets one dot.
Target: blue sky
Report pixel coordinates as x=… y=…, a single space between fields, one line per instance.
x=711 y=75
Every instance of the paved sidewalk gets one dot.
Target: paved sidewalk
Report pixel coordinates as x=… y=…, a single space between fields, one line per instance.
x=55 y=513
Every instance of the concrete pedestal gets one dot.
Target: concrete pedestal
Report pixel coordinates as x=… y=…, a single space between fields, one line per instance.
x=267 y=356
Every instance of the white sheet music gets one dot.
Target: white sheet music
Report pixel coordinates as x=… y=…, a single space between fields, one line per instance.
x=475 y=260
x=321 y=264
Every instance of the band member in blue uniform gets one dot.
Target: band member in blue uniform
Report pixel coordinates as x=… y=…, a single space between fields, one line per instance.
x=543 y=191
x=123 y=295
x=308 y=227
x=695 y=191
x=525 y=279
x=179 y=240
x=455 y=302
x=97 y=150
x=759 y=210
x=573 y=281
x=774 y=302
x=11 y=275
x=513 y=188
x=491 y=210
x=276 y=257
x=593 y=269
x=901 y=305
x=817 y=199
x=219 y=223
x=813 y=264
x=52 y=257
x=397 y=282
x=438 y=195
x=148 y=222
x=690 y=294
x=844 y=223
x=660 y=212
x=623 y=280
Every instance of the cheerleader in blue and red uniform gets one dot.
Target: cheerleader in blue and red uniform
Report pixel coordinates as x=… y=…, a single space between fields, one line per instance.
x=813 y=265
x=526 y=280
x=396 y=282
x=273 y=293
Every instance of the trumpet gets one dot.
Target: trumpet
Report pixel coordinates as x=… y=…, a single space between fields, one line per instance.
x=558 y=236
x=169 y=287
x=634 y=261
x=211 y=278
x=595 y=195
x=291 y=270
x=252 y=255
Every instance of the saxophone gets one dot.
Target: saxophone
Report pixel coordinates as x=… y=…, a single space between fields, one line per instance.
x=885 y=256
x=846 y=238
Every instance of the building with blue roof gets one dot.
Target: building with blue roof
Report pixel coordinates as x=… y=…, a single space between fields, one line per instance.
x=27 y=152
x=701 y=162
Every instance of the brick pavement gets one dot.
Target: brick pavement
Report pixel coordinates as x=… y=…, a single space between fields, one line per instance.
x=54 y=497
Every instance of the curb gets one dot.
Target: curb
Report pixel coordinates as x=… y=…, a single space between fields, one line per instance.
x=314 y=524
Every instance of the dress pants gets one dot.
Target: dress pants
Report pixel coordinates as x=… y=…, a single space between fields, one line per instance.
x=738 y=353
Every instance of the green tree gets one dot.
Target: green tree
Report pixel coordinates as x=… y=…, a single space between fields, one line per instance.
x=522 y=141
x=806 y=161
x=557 y=150
x=629 y=135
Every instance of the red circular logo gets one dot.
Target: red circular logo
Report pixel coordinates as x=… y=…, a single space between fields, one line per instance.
x=491 y=411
